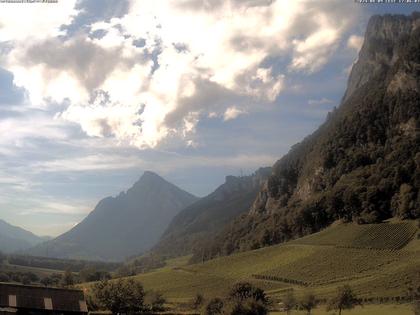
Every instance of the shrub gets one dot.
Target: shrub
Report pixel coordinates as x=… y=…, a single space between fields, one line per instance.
x=416 y=307
x=120 y=296
x=289 y=302
x=155 y=301
x=308 y=302
x=244 y=290
x=198 y=301
x=214 y=307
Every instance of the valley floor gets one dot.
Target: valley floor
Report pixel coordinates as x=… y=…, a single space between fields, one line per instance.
x=404 y=309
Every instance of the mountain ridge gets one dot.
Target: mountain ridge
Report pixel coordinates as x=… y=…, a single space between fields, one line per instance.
x=202 y=220
x=121 y=226
x=362 y=164
x=14 y=238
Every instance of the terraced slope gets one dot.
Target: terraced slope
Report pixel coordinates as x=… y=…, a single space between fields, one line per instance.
x=320 y=262
x=373 y=236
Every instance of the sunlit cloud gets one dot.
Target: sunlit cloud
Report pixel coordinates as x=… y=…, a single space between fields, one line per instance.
x=130 y=77
x=355 y=42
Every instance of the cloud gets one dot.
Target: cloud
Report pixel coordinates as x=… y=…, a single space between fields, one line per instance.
x=21 y=126
x=322 y=101
x=232 y=113
x=355 y=42
x=153 y=70
x=10 y=94
x=21 y=22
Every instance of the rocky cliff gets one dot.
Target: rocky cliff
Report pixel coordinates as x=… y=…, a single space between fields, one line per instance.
x=362 y=164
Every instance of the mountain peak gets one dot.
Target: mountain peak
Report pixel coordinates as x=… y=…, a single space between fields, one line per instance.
x=126 y=225
x=150 y=174
x=381 y=48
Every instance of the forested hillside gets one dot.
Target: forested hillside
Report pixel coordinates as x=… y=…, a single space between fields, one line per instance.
x=361 y=165
x=201 y=221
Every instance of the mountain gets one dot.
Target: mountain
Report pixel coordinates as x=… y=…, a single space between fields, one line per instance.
x=121 y=226
x=361 y=165
x=202 y=220
x=13 y=238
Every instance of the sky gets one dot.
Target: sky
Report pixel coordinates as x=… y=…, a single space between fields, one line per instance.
x=95 y=92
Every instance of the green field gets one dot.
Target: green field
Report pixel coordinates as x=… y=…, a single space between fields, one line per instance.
x=40 y=272
x=380 y=262
x=403 y=309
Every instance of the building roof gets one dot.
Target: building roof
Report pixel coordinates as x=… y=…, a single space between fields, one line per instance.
x=41 y=298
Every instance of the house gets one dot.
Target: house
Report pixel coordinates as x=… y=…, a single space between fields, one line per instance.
x=33 y=300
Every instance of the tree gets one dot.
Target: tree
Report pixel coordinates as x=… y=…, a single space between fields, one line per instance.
x=26 y=280
x=244 y=290
x=3 y=257
x=308 y=302
x=120 y=296
x=345 y=299
x=198 y=301
x=214 y=307
x=67 y=279
x=90 y=274
x=246 y=299
x=46 y=281
x=155 y=301
x=289 y=302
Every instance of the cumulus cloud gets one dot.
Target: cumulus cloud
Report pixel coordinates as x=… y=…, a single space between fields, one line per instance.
x=154 y=69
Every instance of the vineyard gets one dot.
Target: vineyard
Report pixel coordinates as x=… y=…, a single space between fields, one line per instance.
x=373 y=259
x=347 y=264
x=372 y=236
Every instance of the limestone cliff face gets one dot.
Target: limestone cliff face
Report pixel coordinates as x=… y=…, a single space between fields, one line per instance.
x=362 y=164
x=380 y=56
x=380 y=51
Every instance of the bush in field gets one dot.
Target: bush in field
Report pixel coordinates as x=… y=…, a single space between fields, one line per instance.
x=243 y=299
x=90 y=274
x=308 y=302
x=214 y=307
x=120 y=296
x=155 y=301
x=92 y=302
x=68 y=279
x=4 y=277
x=198 y=301
x=244 y=290
x=247 y=299
x=345 y=299
x=289 y=302
x=416 y=307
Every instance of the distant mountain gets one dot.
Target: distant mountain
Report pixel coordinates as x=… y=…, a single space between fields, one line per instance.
x=121 y=226
x=202 y=220
x=362 y=164
x=13 y=238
